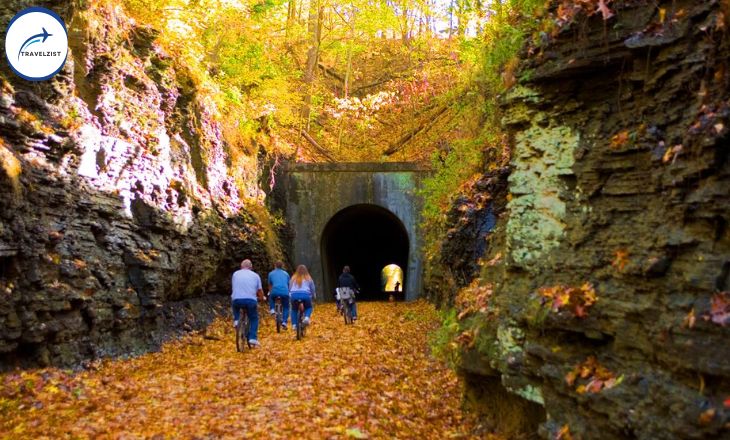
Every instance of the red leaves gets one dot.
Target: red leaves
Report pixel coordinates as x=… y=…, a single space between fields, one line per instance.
x=591 y=377
x=607 y=13
x=720 y=308
x=473 y=298
x=578 y=299
x=568 y=9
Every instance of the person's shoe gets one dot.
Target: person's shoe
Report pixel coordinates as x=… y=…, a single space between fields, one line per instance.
x=235 y=324
x=283 y=326
x=254 y=343
x=305 y=321
x=354 y=318
x=272 y=312
x=293 y=328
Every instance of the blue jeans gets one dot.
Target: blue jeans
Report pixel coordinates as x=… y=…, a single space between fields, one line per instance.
x=307 y=306
x=284 y=305
x=252 y=311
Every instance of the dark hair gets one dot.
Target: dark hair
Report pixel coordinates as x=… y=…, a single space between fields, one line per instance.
x=346 y=269
x=278 y=264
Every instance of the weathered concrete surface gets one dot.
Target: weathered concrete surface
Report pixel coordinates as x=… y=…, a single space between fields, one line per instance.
x=316 y=192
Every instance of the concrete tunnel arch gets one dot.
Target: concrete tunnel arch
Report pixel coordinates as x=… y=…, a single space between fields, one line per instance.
x=366 y=237
x=315 y=193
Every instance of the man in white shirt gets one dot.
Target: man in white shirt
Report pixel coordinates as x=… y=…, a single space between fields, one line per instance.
x=247 y=290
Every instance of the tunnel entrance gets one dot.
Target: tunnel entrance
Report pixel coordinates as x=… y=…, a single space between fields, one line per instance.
x=367 y=238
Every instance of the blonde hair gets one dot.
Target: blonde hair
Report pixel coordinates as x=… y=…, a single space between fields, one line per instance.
x=300 y=276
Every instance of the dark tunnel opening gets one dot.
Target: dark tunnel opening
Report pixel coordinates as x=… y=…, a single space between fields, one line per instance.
x=367 y=238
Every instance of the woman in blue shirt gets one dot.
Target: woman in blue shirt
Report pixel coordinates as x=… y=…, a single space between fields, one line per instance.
x=301 y=288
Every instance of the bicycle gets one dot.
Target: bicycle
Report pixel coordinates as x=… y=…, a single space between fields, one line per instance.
x=346 y=302
x=299 y=304
x=278 y=313
x=242 y=331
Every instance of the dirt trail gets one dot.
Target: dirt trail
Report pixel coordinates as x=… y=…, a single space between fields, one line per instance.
x=375 y=379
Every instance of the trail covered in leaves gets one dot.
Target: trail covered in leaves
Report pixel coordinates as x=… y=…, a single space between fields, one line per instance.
x=375 y=379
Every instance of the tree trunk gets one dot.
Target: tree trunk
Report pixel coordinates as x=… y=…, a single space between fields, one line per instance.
x=314 y=28
x=290 y=17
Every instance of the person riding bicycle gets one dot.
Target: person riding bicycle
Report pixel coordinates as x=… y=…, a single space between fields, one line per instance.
x=347 y=283
x=246 y=290
x=279 y=288
x=301 y=288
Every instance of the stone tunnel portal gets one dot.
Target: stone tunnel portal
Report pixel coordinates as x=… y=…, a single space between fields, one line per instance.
x=365 y=237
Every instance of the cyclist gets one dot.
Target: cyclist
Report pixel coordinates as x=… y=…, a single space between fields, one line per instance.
x=246 y=291
x=279 y=288
x=302 y=289
x=347 y=281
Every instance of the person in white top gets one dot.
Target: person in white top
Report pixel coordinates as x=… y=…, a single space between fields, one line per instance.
x=246 y=290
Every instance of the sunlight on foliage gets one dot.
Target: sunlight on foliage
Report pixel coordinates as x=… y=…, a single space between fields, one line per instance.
x=12 y=167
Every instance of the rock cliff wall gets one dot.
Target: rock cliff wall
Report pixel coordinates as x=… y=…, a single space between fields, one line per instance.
x=603 y=294
x=121 y=208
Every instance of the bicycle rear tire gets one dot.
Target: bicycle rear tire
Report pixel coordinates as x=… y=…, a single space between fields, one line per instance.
x=242 y=331
x=279 y=318
x=300 y=320
x=248 y=330
x=239 y=335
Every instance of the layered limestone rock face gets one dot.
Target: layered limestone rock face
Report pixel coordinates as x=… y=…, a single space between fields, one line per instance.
x=119 y=210
x=618 y=188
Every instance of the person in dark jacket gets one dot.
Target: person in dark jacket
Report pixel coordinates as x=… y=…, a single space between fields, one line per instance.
x=348 y=284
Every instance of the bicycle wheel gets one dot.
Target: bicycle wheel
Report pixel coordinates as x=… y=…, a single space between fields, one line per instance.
x=300 y=321
x=247 y=327
x=349 y=312
x=278 y=312
x=239 y=335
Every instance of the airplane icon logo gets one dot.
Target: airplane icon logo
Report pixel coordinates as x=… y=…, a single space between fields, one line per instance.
x=35 y=39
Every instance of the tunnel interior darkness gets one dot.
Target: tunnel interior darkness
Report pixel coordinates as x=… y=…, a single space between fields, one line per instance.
x=366 y=238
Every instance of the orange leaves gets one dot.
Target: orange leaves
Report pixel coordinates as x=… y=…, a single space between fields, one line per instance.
x=564 y=433
x=707 y=416
x=619 y=139
x=591 y=377
x=371 y=380
x=621 y=259
x=671 y=154
x=576 y=299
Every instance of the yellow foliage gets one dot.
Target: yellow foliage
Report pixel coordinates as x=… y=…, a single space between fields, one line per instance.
x=12 y=167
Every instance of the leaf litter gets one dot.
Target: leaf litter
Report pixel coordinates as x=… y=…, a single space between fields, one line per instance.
x=374 y=379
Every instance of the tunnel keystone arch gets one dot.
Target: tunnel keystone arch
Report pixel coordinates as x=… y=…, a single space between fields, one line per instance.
x=324 y=201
